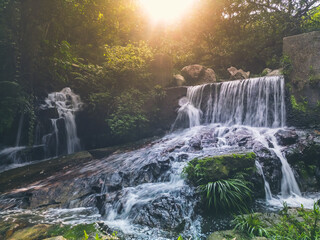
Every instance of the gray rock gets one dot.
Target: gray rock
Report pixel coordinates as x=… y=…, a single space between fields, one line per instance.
x=237 y=73
x=178 y=80
x=276 y=72
x=286 y=137
x=198 y=74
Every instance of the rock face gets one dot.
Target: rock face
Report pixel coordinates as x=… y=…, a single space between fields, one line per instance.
x=304 y=54
x=197 y=74
x=170 y=105
x=303 y=78
x=237 y=73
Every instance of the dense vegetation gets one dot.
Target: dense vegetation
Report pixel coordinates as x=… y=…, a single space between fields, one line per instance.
x=105 y=50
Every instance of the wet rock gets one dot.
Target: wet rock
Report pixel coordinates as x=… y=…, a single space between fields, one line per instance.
x=22 y=176
x=271 y=165
x=150 y=172
x=164 y=212
x=31 y=233
x=286 y=137
x=195 y=143
x=182 y=157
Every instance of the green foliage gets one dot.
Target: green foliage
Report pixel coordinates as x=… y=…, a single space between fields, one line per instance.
x=227 y=195
x=301 y=107
x=128 y=118
x=11 y=102
x=304 y=226
x=314 y=78
x=211 y=169
x=297 y=224
x=85 y=235
x=311 y=22
x=250 y=224
x=286 y=64
x=221 y=182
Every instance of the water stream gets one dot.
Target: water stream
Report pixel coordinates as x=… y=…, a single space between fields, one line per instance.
x=143 y=190
x=67 y=104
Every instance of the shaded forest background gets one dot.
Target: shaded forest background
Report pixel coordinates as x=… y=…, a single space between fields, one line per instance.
x=104 y=50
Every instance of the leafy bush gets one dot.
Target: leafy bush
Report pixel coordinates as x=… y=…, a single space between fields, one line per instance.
x=250 y=224
x=227 y=195
x=292 y=224
x=304 y=226
x=128 y=119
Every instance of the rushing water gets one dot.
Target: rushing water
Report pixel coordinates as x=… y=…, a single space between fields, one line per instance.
x=62 y=138
x=257 y=102
x=67 y=104
x=148 y=193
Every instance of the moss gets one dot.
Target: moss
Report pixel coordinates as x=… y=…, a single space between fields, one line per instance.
x=301 y=107
x=209 y=169
x=31 y=233
x=72 y=232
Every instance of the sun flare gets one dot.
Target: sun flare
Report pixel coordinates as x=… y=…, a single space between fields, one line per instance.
x=166 y=11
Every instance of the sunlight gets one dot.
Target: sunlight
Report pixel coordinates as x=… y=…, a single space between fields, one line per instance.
x=166 y=11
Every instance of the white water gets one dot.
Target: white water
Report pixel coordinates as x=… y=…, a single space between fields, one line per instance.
x=67 y=104
x=257 y=102
x=266 y=183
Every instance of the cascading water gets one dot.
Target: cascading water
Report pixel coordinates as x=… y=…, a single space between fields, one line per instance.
x=266 y=184
x=61 y=139
x=142 y=193
x=67 y=104
x=257 y=102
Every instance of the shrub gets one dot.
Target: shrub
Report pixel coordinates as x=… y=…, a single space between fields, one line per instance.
x=250 y=224
x=227 y=195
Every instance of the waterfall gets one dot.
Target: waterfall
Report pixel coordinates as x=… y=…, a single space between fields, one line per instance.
x=266 y=184
x=67 y=104
x=257 y=102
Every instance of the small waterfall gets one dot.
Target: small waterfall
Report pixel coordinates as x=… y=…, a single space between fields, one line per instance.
x=67 y=104
x=289 y=185
x=257 y=102
x=266 y=184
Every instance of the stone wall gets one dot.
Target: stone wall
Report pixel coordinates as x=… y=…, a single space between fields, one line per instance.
x=303 y=77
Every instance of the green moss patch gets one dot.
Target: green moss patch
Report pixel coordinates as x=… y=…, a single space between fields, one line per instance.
x=210 y=169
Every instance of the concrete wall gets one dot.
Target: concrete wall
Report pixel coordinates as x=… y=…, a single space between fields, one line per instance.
x=304 y=52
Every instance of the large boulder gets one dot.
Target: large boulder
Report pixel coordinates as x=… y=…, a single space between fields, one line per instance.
x=210 y=169
x=178 y=80
x=236 y=74
x=198 y=74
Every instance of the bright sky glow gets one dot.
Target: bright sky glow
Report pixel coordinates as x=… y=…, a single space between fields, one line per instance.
x=167 y=11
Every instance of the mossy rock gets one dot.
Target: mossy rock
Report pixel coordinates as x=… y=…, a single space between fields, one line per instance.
x=210 y=169
x=31 y=233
